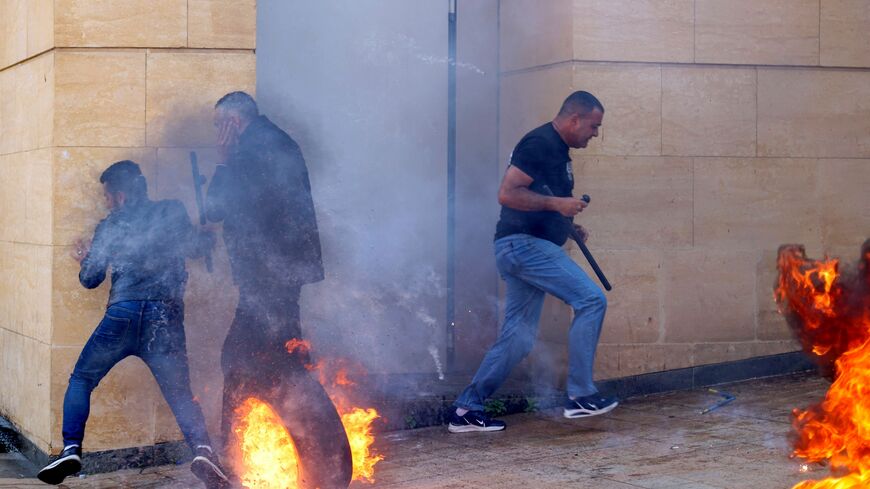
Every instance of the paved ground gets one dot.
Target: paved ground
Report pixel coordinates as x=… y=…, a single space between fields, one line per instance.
x=659 y=441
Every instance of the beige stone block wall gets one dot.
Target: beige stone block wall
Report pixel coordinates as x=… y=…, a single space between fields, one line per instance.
x=124 y=23
x=717 y=146
x=756 y=204
x=25 y=196
x=844 y=25
x=658 y=213
x=814 y=113
x=842 y=225
x=661 y=30
x=26 y=379
x=27 y=105
x=768 y=32
x=13 y=15
x=26 y=29
x=84 y=84
x=634 y=120
x=222 y=24
x=708 y=111
x=533 y=36
x=183 y=88
x=635 y=316
x=26 y=192
x=100 y=99
x=709 y=296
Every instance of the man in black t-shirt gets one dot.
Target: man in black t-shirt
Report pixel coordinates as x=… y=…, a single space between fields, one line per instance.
x=536 y=218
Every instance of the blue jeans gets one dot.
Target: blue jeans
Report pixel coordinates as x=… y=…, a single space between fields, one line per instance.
x=152 y=331
x=531 y=267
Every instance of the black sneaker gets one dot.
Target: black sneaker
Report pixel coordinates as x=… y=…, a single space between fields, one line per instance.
x=69 y=462
x=206 y=467
x=474 y=421
x=589 y=406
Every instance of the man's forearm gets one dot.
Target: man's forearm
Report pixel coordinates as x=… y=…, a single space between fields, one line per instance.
x=91 y=274
x=215 y=200
x=523 y=199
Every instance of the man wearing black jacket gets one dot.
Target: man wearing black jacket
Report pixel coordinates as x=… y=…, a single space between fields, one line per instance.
x=145 y=244
x=262 y=195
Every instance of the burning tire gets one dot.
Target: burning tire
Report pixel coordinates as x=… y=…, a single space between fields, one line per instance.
x=316 y=434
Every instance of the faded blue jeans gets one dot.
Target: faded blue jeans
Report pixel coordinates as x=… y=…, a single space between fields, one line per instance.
x=152 y=331
x=531 y=267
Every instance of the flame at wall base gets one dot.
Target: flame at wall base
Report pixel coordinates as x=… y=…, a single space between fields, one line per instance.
x=830 y=311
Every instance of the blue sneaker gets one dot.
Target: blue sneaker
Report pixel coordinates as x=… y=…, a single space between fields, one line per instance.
x=205 y=467
x=474 y=421
x=593 y=405
x=68 y=463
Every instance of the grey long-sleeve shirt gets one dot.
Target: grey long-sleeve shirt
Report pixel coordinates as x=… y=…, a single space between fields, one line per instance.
x=145 y=246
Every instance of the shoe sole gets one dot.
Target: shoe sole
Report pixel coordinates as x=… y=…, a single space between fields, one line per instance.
x=209 y=473
x=55 y=472
x=585 y=413
x=471 y=428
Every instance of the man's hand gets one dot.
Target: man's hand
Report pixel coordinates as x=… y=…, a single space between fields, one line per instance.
x=82 y=247
x=567 y=206
x=582 y=232
x=228 y=138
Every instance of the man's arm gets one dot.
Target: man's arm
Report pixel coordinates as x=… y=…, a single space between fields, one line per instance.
x=514 y=193
x=194 y=243
x=217 y=195
x=96 y=259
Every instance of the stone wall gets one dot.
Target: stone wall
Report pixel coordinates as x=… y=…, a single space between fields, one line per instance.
x=84 y=84
x=730 y=128
x=26 y=195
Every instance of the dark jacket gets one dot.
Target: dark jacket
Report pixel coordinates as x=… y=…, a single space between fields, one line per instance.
x=263 y=197
x=145 y=245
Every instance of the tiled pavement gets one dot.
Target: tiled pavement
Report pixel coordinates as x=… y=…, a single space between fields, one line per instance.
x=659 y=441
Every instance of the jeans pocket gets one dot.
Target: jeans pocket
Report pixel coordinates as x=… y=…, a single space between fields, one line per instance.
x=111 y=329
x=504 y=258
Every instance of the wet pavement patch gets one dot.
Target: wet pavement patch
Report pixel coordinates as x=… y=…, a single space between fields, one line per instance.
x=13 y=465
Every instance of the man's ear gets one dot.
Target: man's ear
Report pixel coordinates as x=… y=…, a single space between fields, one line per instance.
x=576 y=119
x=121 y=197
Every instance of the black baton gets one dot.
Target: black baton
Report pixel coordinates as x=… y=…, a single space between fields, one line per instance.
x=579 y=240
x=198 y=182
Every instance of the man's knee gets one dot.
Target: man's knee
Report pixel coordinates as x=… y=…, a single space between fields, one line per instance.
x=522 y=345
x=83 y=381
x=593 y=302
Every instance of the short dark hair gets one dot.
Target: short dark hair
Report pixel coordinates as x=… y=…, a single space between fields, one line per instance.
x=580 y=102
x=125 y=176
x=239 y=102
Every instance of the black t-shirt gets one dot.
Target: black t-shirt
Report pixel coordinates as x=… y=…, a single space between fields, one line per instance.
x=542 y=155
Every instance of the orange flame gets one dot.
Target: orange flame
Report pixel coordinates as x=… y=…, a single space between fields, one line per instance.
x=342 y=379
x=296 y=344
x=357 y=421
x=268 y=453
x=358 y=426
x=832 y=315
